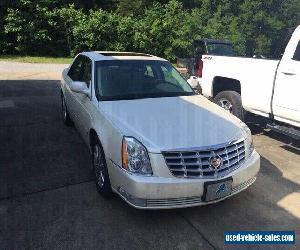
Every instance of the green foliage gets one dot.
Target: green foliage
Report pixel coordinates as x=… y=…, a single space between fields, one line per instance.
x=33 y=30
x=264 y=26
x=131 y=7
x=164 y=28
x=95 y=30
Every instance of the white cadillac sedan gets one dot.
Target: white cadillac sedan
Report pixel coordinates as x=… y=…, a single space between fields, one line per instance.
x=153 y=141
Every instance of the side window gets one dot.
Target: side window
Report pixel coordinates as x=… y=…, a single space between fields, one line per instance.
x=87 y=72
x=76 y=68
x=296 y=56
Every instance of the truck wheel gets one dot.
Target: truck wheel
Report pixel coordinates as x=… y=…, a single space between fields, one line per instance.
x=232 y=102
x=100 y=170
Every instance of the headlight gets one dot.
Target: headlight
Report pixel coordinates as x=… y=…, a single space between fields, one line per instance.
x=135 y=158
x=249 y=147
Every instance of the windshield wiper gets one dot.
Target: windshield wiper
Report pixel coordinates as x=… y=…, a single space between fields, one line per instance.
x=121 y=97
x=144 y=96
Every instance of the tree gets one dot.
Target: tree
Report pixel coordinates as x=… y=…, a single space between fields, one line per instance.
x=166 y=27
x=131 y=7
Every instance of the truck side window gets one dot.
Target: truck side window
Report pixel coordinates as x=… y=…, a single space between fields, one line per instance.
x=296 y=56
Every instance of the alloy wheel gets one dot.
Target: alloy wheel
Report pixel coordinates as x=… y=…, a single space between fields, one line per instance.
x=64 y=108
x=99 y=166
x=225 y=104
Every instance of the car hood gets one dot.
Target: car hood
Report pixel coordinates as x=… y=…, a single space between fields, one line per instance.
x=173 y=123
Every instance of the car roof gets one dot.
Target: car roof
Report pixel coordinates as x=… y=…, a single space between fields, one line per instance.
x=116 y=55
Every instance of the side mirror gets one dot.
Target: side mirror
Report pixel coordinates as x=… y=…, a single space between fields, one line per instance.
x=80 y=87
x=193 y=82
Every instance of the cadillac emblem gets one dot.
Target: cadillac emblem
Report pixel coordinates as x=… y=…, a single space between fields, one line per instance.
x=216 y=162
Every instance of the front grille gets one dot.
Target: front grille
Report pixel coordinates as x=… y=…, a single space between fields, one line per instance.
x=197 y=163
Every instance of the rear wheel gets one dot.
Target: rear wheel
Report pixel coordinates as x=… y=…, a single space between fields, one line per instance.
x=100 y=170
x=64 y=111
x=232 y=102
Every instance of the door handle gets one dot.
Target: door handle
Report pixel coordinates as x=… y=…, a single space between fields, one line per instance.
x=289 y=73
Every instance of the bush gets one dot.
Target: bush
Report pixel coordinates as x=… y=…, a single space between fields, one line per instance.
x=34 y=32
x=163 y=31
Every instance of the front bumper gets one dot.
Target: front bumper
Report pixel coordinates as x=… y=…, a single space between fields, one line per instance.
x=171 y=192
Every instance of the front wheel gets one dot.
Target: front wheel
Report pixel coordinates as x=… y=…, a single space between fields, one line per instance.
x=100 y=170
x=232 y=102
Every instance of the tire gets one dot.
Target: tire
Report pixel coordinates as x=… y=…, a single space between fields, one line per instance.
x=64 y=112
x=100 y=170
x=232 y=102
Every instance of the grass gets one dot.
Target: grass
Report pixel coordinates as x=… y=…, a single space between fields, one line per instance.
x=35 y=59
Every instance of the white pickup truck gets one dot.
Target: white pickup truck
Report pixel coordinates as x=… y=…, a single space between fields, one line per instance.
x=270 y=88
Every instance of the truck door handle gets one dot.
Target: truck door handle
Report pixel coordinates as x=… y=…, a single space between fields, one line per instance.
x=289 y=73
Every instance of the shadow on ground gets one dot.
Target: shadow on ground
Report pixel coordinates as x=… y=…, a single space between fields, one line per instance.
x=258 y=127
x=37 y=152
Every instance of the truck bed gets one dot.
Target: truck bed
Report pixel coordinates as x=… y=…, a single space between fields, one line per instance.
x=255 y=75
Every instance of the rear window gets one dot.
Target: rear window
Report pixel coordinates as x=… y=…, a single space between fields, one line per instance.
x=221 y=49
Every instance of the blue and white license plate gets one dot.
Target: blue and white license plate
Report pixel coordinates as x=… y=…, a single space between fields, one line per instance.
x=217 y=190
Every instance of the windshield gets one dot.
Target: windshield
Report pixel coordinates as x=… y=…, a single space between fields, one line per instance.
x=137 y=79
x=220 y=49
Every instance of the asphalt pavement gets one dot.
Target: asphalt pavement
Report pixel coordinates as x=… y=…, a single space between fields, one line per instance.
x=48 y=198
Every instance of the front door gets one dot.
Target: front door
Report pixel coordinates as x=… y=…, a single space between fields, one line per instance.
x=74 y=74
x=83 y=103
x=286 y=102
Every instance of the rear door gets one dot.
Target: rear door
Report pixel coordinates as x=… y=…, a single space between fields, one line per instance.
x=286 y=102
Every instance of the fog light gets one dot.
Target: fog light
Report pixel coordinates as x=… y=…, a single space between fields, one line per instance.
x=131 y=199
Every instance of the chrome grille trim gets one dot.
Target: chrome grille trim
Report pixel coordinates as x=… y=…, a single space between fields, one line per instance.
x=196 y=163
x=243 y=185
x=190 y=201
x=173 y=202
